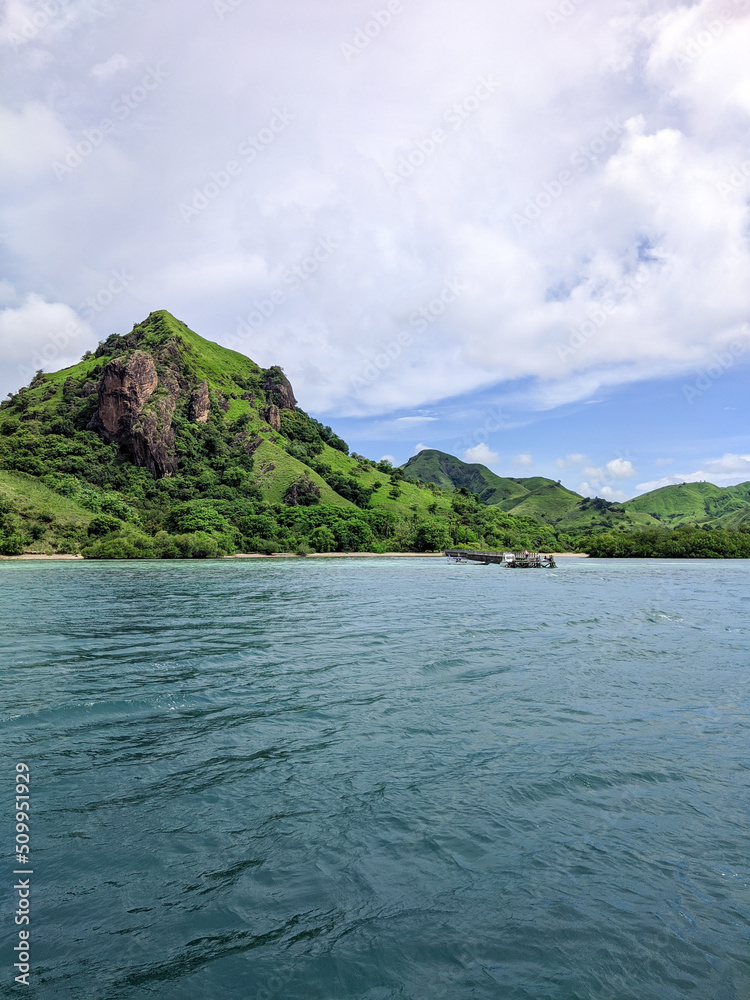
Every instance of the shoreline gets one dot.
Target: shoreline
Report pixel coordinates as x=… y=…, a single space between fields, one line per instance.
x=42 y=556
x=27 y=556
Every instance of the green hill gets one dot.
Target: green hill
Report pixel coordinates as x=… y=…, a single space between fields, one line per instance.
x=542 y=499
x=450 y=473
x=548 y=502
x=695 y=503
x=163 y=444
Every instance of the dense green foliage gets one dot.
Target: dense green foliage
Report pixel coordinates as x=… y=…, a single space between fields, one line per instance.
x=684 y=542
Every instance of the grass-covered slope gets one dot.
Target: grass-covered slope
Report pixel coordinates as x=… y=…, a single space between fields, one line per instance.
x=39 y=519
x=450 y=473
x=542 y=499
x=695 y=503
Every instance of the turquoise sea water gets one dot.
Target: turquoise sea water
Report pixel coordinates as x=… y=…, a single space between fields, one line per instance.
x=375 y=779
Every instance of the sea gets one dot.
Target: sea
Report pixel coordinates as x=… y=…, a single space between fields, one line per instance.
x=377 y=779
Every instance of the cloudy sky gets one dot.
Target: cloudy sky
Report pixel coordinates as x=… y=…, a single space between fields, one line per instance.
x=515 y=231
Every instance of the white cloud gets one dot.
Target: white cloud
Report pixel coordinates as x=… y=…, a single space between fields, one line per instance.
x=524 y=459
x=664 y=461
x=481 y=454
x=32 y=138
x=620 y=468
x=616 y=496
x=7 y=293
x=388 y=458
x=598 y=478
x=39 y=334
x=729 y=470
x=115 y=64
x=421 y=447
x=634 y=269
x=570 y=461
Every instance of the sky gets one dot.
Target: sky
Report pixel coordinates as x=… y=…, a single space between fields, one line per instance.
x=517 y=232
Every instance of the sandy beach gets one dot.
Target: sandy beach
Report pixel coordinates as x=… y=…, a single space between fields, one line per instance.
x=39 y=556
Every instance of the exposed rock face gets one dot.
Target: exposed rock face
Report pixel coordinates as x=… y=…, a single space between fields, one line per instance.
x=273 y=417
x=200 y=404
x=125 y=389
x=278 y=389
x=248 y=442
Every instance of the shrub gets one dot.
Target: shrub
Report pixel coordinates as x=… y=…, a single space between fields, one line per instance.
x=11 y=545
x=197 y=516
x=323 y=539
x=431 y=537
x=265 y=547
x=302 y=493
x=103 y=524
x=165 y=546
x=354 y=536
x=128 y=543
x=198 y=545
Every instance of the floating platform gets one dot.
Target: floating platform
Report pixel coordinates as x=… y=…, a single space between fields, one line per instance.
x=511 y=560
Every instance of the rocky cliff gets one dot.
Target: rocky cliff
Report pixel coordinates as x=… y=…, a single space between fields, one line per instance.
x=150 y=379
x=131 y=414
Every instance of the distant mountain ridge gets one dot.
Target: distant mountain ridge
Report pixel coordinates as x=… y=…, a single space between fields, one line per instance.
x=551 y=503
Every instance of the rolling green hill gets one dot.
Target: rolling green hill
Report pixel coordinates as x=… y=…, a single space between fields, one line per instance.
x=549 y=502
x=695 y=503
x=542 y=499
x=450 y=473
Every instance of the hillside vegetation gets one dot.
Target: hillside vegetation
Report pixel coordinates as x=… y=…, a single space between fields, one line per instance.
x=696 y=504
x=163 y=444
